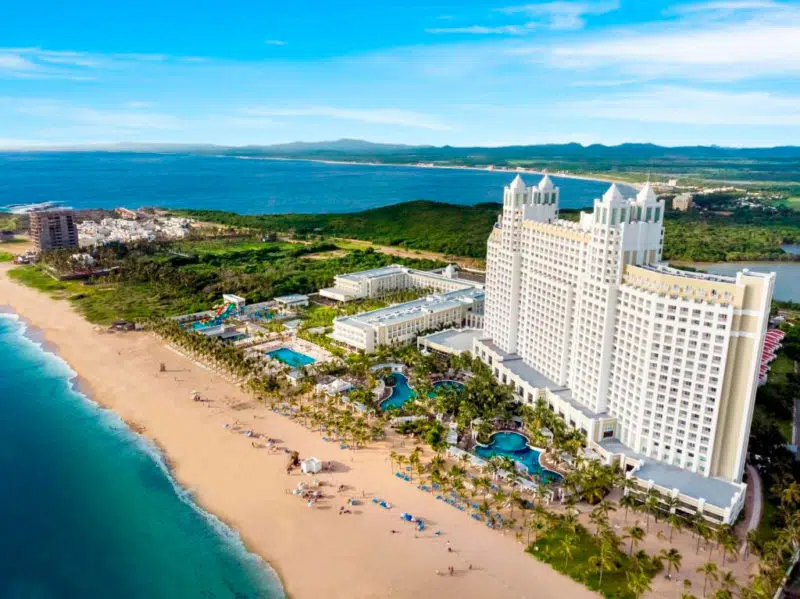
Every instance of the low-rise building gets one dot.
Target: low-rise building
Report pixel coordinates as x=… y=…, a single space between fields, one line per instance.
x=402 y=323
x=378 y=282
x=295 y=300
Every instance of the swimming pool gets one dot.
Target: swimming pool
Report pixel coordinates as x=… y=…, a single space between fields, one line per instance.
x=515 y=446
x=291 y=357
x=446 y=385
x=401 y=393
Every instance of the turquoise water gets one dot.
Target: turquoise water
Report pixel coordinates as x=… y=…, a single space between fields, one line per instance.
x=516 y=447
x=88 y=509
x=446 y=385
x=293 y=358
x=401 y=393
x=108 y=180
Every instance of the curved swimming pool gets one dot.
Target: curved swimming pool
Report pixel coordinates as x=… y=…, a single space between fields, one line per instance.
x=515 y=446
x=401 y=393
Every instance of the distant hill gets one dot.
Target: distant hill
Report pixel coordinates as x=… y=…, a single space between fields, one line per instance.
x=340 y=145
x=569 y=150
x=627 y=161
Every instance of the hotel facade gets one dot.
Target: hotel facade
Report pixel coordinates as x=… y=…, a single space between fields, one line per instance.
x=657 y=366
x=450 y=302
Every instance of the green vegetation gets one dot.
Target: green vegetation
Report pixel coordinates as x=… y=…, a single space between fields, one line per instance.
x=6 y=257
x=743 y=234
x=595 y=561
x=630 y=161
x=421 y=225
x=8 y=222
x=770 y=432
x=163 y=279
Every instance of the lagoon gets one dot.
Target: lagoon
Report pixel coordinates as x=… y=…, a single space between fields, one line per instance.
x=787 y=282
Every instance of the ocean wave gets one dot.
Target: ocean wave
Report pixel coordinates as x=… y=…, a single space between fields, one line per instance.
x=23 y=332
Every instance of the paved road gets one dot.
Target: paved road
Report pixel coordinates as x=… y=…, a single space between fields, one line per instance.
x=754 y=482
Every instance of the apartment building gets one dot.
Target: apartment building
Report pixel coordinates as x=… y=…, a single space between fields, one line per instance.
x=656 y=365
x=53 y=229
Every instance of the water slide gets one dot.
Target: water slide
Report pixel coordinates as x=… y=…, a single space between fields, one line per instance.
x=221 y=314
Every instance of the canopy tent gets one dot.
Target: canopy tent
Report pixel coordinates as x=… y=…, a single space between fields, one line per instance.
x=311 y=466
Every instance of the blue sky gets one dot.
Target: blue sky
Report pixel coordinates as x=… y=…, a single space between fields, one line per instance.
x=721 y=72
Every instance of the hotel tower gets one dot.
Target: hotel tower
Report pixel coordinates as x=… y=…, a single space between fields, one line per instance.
x=657 y=366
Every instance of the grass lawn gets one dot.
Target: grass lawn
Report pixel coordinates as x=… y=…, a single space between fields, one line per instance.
x=230 y=246
x=791 y=202
x=6 y=257
x=103 y=303
x=615 y=585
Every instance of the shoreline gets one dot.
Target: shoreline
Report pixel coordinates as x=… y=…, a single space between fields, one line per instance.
x=440 y=166
x=352 y=556
x=34 y=335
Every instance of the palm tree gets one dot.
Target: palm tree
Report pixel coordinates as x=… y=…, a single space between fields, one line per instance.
x=674 y=522
x=790 y=496
x=636 y=535
x=650 y=508
x=538 y=526
x=638 y=582
x=701 y=529
x=751 y=543
x=673 y=558
x=729 y=544
x=604 y=561
x=567 y=546
x=628 y=502
x=710 y=572
x=727 y=582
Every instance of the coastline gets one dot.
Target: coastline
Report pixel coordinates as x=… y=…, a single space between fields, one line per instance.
x=350 y=556
x=439 y=166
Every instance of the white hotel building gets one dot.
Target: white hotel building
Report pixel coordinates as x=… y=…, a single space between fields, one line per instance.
x=658 y=366
x=451 y=302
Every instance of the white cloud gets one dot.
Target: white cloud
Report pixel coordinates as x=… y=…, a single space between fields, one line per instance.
x=757 y=48
x=383 y=116
x=724 y=7
x=559 y=15
x=689 y=106
x=137 y=104
x=275 y=42
x=113 y=118
x=562 y=15
x=484 y=30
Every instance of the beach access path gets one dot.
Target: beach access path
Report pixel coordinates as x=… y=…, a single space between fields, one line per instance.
x=316 y=552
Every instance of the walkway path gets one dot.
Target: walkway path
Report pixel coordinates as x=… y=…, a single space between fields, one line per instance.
x=754 y=516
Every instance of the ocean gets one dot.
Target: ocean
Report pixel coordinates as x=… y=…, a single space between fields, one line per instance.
x=88 y=508
x=249 y=186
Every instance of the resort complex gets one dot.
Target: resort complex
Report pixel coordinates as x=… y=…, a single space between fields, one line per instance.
x=451 y=302
x=658 y=367
x=655 y=367
x=578 y=375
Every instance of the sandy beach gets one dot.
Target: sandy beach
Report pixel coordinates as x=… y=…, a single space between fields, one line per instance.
x=526 y=171
x=316 y=551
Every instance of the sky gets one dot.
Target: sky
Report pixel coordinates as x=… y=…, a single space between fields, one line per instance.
x=461 y=73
